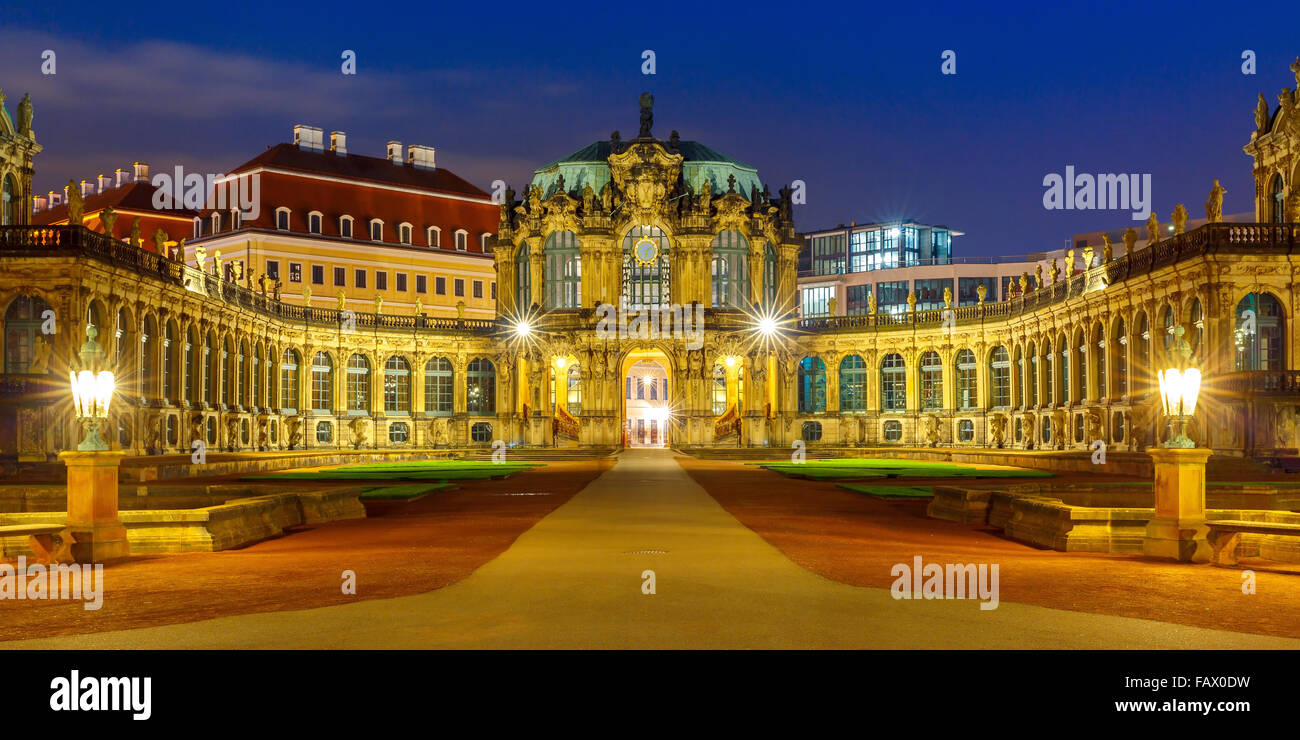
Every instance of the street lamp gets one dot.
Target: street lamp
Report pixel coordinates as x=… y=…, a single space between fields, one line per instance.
x=1179 y=387
x=92 y=391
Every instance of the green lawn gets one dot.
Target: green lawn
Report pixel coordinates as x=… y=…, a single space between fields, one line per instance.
x=854 y=468
x=426 y=470
x=404 y=492
x=889 y=491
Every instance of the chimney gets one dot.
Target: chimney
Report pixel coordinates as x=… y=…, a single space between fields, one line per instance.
x=40 y=202
x=141 y=171
x=119 y=177
x=54 y=199
x=86 y=189
x=308 y=138
x=339 y=143
x=420 y=156
x=395 y=152
x=105 y=182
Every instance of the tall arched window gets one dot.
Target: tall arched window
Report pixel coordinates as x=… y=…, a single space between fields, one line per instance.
x=257 y=376
x=1167 y=327
x=1259 y=342
x=191 y=367
x=1142 y=353
x=645 y=267
x=397 y=386
x=227 y=352
x=1031 y=377
x=1076 y=368
x=720 y=390
x=893 y=383
x=438 y=388
x=931 y=378
x=1119 y=341
x=481 y=388
x=523 y=280
x=574 y=387
x=1278 y=211
x=730 y=270
x=1196 y=317
x=812 y=385
x=9 y=202
x=967 y=385
x=853 y=384
x=289 y=382
x=168 y=372
x=149 y=342
x=23 y=321
x=1049 y=371
x=1000 y=378
x=563 y=271
x=208 y=392
x=322 y=383
x=358 y=384
x=1099 y=365
x=769 y=276
x=241 y=388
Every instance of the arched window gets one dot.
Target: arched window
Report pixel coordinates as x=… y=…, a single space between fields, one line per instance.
x=1167 y=327
x=9 y=201
x=314 y=219
x=812 y=385
x=1120 y=353
x=209 y=396
x=149 y=342
x=272 y=372
x=769 y=276
x=1049 y=370
x=289 y=382
x=1099 y=364
x=730 y=273
x=1031 y=377
x=358 y=384
x=1020 y=375
x=967 y=385
x=241 y=387
x=438 y=388
x=645 y=267
x=720 y=390
x=1258 y=335
x=931 y=378
x=575 y=389
x=853 y=384
x=257 y=376
x=1277 y=213
x=563 y=270
x=168 y=373
x=1000 y=377
x=1142 y=354
x=481 y=388
x=893 y=383
x=23 y=320
x=523 y=280
x=227 y=356
x=322 y=383
x=397 y=386
x=1196 y=316
x=893 y=430
x=191 y=367
x=1076 y=388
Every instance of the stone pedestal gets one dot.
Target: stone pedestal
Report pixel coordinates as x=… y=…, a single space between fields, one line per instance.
x=97 y=533
x=1178 y=531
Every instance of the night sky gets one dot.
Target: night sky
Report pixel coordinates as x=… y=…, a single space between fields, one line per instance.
x=850 y=100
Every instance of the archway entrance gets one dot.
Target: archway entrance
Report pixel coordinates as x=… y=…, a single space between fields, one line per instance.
x=647 y=412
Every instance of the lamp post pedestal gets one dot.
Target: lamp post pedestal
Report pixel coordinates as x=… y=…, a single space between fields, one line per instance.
x=1178 y=531
x=97 y=532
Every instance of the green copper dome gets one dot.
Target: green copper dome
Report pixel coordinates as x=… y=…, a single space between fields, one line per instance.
x=590 y=166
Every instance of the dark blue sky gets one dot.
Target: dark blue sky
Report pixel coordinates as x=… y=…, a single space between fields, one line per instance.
x=849 y=99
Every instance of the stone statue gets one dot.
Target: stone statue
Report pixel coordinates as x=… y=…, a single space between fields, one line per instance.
x=160 y=241
x=1153 y=230
x=830 y=306
x=1054 y=272
x=911 y=301
x=1214 y=206
x=997 y=430
x=342 y=299
x=276 y=290
x=217 y=264
x=1089 y=253
x=607 y=198
x=1261 y=114
x=261 y=284
x=981 y=291
x=588 y=200
x=25 y=115
x=1038 y=276
x=379 y=303
x=107 y=218
x=1295 y=70
x=200 y=256
x=460 y=310
x=1130 y=241
x=947 y=296
x=76 y=206
x=1285 y=426
x=731 y=183
x=932 y=431
x=706 y=196
x=1024 y=283
x=306 y=296
x=237 y=270
x=1069 y=262
x=179 y=250
x=135 y=232
x=358 y=427
x=419 y=307
x=1180 y=218
x=871 y=303
x=647 y=114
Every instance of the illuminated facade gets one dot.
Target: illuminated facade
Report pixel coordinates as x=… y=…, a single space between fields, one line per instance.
x=600 y=248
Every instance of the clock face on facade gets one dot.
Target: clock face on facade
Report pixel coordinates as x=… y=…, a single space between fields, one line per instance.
x=646 y=251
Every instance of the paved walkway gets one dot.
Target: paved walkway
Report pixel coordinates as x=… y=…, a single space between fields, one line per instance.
x=575 y=581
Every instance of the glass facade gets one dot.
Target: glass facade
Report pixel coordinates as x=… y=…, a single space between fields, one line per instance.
x=968 y=290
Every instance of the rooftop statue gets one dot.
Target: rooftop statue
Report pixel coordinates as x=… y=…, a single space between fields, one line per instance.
x=1214 y=206
x=25 y=115
x=1153 y=230
x=107 y=219
x=1261 y=113
x=1180 y=218
x=647 y=114
x=76 y=206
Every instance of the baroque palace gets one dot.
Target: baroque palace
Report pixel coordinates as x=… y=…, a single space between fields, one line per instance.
x=645 y=294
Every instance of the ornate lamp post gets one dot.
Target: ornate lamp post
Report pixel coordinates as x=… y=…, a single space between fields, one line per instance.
x=97 y=533
x=1178 y=529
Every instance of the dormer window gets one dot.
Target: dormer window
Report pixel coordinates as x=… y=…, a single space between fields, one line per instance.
x=198 y=227
x=376 y=230
x=345 y=227
x=462 y=240
x=483 y=241
x=404 y=233
x=282 y=218
x=314 y=220
x=236 y=218
x=433 y=236
x=216 y=221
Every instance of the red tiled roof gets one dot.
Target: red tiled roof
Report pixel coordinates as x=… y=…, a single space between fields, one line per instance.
x=136 y=196
x=360 y=167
